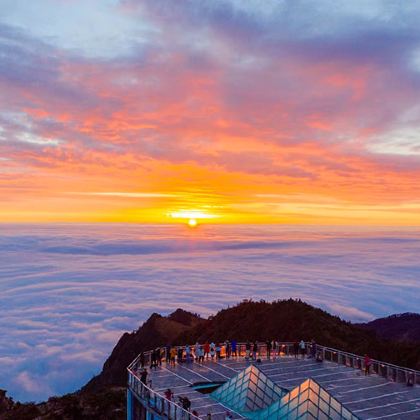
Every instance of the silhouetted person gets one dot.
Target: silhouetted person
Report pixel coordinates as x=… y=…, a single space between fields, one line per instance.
x=296 y=349
x=218 y=351
x=155 y=358
x=152 y=359
x=197 y=350
x=228 y=349
x=187 y=353
x=274 y=348
x=368 y=362
x=173 y=355
x=255 y=350
x=200 y=354
x=234 y=348
x=268 y=344
x=410 y=379
x=212 y=350
x=206 y=349
x=247 y=349
x=169 y=394
x=143 y=377
x=180 y=354
x=185 y=403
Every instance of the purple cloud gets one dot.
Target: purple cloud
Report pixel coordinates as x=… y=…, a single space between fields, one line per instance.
x=68 y=292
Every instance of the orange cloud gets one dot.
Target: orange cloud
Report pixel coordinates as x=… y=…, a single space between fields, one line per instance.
x=186 y=131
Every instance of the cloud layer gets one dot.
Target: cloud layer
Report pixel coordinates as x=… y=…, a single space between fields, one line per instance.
x=68 y=292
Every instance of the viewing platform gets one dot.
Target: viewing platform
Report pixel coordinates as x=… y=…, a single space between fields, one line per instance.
x=323 y=383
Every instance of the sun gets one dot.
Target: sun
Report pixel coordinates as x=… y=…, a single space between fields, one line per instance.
x=192 y=217
x=192 y=223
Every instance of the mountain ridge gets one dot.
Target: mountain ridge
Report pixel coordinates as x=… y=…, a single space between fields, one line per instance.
x=404 y=327
x=103 y=397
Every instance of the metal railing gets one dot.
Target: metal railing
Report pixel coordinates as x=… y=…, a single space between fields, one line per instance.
x=285 y=349
x=169 y=409
x=388 y=371
x=155 y=402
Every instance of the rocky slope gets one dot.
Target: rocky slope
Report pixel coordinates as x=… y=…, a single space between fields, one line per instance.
x=288 y=320
x=156 y=331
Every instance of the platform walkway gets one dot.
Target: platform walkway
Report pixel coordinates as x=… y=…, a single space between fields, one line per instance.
x=368 y=397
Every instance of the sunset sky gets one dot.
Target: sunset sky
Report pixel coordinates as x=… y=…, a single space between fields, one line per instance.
x=227 y=111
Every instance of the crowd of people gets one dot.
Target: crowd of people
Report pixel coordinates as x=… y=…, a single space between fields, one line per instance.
x=251 y=351
x=214 y=351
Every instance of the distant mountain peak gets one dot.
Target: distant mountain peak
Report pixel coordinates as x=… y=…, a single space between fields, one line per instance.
x=184 y=317
x=402 y=315
x=397 y=327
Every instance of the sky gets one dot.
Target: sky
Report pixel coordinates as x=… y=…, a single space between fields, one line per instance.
x=226 y=111
x=68 y=292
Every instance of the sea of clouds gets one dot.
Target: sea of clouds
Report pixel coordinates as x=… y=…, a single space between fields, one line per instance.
x=68 y=292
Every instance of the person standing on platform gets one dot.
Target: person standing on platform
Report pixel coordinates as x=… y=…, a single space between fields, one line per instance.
x=234 y=348
x=302 y=347
x=268 y=344
x=187 y=353
x=185 y=403
x=368 y=362
x=206 y=349
x=274 y=348
x=212 y=350
x=228 y=349
x=218 y=351
x=152 y=359
x=180 y=354
x=196 y=350
x=255 y=350
x=296 y=349
x=201 y=358
x=169 y=394
x=247 y=350
x=143 y=377
x=173 y=356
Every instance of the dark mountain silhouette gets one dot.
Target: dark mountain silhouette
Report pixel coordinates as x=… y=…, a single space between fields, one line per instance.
x=156 y=331
x=287 y=320
x=400 y=327
x=290 y=320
